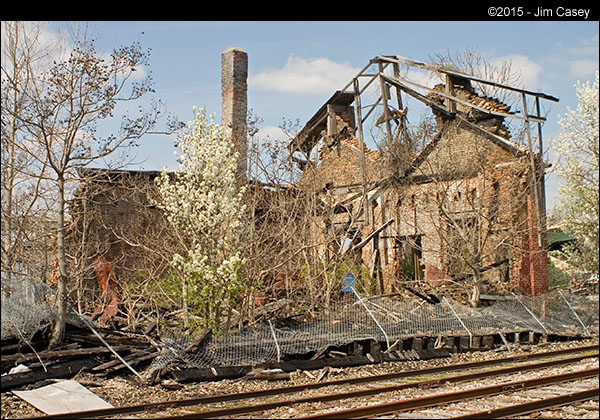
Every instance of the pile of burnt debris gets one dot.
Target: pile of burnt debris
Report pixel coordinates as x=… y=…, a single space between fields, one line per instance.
x=110 y=351
x=102 y=351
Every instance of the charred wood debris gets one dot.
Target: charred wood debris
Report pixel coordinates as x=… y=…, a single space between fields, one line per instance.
x=104 y=349
x=114 y=349
x=118 y=351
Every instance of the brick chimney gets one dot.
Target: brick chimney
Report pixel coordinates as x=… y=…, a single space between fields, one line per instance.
x=234 y=87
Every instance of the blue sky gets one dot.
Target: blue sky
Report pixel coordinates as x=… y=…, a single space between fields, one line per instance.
x=295 y=66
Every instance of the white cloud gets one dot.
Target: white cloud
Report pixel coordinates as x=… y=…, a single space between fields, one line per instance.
x=271 y=135
x=583 y=68
x=304 y=77
x=585 y=46
x=527 y=69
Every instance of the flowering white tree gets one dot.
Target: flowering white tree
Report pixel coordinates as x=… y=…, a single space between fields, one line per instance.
x=204 y=202
x=577 y=165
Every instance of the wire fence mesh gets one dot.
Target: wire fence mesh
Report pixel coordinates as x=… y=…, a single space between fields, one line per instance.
x=388 y=320
x=28 y=306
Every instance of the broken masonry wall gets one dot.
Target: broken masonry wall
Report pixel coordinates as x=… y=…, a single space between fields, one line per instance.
x=116 y=222
x=463 y=162
x=459 y=161
x=339 y=166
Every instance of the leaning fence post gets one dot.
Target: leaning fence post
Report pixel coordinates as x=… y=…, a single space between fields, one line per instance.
x=387 y=340
x=460 y=320
x=531 y=313
x=90 y=326
x=574 y=313
x=276 y=343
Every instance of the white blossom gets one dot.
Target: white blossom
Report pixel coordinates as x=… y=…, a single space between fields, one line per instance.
x=204 y=201
x=577 y=165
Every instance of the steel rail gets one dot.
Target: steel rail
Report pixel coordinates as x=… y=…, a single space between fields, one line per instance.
x=529 y=407
x=302 y=387
x=450 y=397
x=373 y=391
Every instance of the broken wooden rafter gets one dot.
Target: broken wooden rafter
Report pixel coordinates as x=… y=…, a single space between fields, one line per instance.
x=439 y=69
x=372 y=109
x=60 y=354
x=384 y=95
x=384 y=60
x=90 y=326
x=527 y=117
x=59 y=371
x=418 y=95
x=132 y=359
x=317 y=123
x=362 y=163
x=370 y=236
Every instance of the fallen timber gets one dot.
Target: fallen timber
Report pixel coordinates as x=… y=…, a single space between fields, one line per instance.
x=61 y=371
x=366 y=352
x=187 y=363
x=84 y=352
x=158 y=406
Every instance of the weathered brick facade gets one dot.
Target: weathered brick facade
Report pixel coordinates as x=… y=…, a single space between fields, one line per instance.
x=339 y=165
x=481 y=179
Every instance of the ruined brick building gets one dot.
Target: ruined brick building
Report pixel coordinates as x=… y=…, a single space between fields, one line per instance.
x=466 y=206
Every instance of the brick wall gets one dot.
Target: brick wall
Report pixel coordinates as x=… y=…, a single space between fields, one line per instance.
x=340 y=165
x=533 y=274
x=481 y=163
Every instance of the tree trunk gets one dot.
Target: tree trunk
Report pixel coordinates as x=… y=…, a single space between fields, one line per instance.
x=61 y=295
x=184 y=301
x=476 y=290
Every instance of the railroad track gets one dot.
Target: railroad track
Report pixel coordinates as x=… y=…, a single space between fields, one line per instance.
x=466 y=404
x=384 y=389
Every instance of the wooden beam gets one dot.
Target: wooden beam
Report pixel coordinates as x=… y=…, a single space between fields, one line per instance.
x=450 y=102
x=438 y=69
x=542 y=174
x=384 y=94
x=418 y=95
x=61 y=354
x=66 y=369
x=452 y=98
x=534 y=179
x=362 y=161
x=371 y=235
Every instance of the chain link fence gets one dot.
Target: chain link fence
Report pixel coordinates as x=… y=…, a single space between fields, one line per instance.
x=28 y=307
x=386 y=320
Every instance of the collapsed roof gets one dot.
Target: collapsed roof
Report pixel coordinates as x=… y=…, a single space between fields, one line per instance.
x=456 y=99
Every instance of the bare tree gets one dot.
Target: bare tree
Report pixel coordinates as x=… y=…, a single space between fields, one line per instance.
x=472 y=62
x=294 y=246
x=66 y=103
x=24 y=186
x=114 y=216
x=472 y=211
